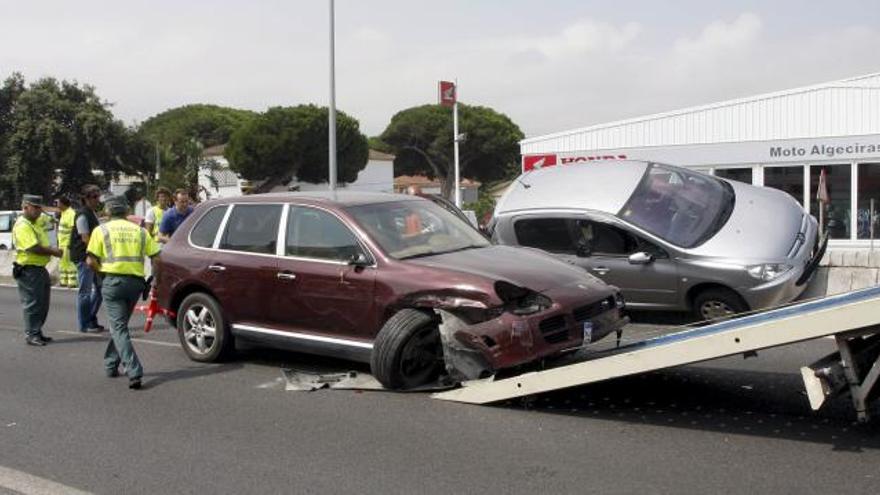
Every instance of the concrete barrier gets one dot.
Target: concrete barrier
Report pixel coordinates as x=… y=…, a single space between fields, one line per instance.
x=7 y=257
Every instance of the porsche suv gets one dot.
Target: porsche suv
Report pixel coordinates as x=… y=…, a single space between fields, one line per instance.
x=392 y=280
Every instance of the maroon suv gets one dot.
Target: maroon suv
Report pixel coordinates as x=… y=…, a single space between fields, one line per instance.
x=392 y=280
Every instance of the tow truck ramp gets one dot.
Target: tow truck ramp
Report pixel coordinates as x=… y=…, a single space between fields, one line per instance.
x=852 y=318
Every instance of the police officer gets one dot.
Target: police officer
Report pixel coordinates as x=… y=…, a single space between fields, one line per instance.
x=66 y=268
x=32 y=254
x=116 y=250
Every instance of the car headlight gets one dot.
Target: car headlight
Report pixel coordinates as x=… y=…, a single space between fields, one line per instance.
x=767 y=271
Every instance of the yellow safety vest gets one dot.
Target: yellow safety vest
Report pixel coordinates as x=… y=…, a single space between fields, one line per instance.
x=121 y=246
x=158 y=212
x=26 y=235
x=65 y=227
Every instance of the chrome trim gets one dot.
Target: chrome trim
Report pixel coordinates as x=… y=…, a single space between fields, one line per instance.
x=285 y=276
x=304 y=336
x=222 y=227
x=281 y=240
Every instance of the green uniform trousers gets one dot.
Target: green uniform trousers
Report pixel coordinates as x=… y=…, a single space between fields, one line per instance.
x=34 y=290
x=121 y=293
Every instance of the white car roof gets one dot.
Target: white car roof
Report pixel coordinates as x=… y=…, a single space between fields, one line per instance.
x=602 y=186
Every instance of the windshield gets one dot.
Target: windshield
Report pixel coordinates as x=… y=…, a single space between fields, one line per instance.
x=682 y=207
x=408 y=229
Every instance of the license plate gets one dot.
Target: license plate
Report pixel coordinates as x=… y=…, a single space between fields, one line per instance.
x=588 y=332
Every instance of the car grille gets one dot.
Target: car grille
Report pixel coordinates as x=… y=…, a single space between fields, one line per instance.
x=588 y=311
x=553 y=329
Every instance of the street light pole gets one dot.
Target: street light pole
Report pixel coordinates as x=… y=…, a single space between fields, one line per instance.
x=332 y=123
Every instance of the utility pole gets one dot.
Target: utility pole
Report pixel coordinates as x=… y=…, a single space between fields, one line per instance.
x=158 y=163
x=332 y=112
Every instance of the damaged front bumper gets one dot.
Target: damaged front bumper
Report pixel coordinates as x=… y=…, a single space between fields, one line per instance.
x=477 y=350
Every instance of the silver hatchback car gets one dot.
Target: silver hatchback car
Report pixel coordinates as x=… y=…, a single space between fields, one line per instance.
x=668 y=237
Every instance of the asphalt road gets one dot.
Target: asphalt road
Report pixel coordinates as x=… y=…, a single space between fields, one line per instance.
x=727 y=426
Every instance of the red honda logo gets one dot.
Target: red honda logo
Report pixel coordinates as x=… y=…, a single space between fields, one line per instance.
x=535 y=162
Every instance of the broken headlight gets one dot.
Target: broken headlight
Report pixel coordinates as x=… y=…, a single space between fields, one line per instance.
x=521 y=301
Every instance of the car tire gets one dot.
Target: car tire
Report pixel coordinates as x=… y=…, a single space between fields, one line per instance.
x=712 y=304
x=202 y=329
x=407 y=351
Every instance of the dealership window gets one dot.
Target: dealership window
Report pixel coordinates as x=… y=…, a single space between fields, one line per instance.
x=741 y=174
x=787 y=179
x=867 y=189
x=839 y=185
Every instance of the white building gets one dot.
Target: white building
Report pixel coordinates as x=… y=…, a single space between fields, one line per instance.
x=218 y=181
x=781 y=140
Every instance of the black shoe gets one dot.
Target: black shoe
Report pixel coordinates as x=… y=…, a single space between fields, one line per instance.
x=35 y=340
x=45 y=338
x=112 y=373
x=134 y=383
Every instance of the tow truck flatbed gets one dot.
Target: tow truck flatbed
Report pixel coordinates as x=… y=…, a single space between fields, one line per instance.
x=853 y=319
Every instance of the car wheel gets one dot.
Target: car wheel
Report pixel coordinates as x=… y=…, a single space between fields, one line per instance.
x=712 y=304
x=202 y=328
x=407 y=351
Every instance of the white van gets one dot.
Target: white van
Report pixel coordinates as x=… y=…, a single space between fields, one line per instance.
x=7 y=220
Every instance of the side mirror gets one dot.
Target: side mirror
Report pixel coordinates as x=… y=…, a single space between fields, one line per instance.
x=359 y=259
x=640 y=258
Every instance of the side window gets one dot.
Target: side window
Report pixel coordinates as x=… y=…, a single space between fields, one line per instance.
x=252 y=228
x=604 y=239
x=313 y=233
x=549 y=234
x=5 y=223
x=205 y=231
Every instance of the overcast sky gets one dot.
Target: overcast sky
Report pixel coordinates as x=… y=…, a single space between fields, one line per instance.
x=550 y=65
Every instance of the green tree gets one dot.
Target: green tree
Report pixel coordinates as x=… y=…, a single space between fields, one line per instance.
x=181 y=133
x=421 y=138
x=56 y=135
x=287 y=142
x=12 y=88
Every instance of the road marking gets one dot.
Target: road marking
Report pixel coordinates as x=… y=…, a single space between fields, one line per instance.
x=134 y=339
x=28 y=484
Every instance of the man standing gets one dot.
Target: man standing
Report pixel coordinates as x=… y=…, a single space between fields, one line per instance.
x=154 y=215
x=175 y=216
x=117 y=250
x=66 y=268
x=32 y=255
x=89 y=295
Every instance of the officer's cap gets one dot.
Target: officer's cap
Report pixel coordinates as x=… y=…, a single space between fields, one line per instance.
x=116 y=205
x=32 y=199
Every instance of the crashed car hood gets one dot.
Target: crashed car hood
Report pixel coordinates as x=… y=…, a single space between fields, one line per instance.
x=523 y=267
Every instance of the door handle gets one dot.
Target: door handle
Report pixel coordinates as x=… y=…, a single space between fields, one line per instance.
x=286 y=275
x=217 y=267
x=601 y=270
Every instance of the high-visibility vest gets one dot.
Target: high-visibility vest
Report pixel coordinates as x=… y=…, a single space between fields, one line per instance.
x=25 y=235
x=121 y=246
x=158 y=212
x=65 y=227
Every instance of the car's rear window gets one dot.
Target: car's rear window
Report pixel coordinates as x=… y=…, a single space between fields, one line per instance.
x=205 y=231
